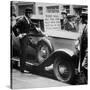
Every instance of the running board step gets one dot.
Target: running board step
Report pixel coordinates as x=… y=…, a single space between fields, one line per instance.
x=18 y=60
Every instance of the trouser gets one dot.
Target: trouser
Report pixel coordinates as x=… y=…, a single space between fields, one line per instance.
x=24 y=42
x=23 y=46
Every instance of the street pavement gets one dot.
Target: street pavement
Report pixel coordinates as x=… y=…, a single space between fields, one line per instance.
x=34 y=79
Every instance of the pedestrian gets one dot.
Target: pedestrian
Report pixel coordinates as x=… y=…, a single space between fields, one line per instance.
x=13 y=19
x=84 y=18
x=84 y=33
x=77 y=22
x=13 y=22
x=81 y=22
x=64 y=19
x=70 y=25
x=24 y=25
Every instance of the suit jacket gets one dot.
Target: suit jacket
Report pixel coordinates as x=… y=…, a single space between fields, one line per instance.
x=69 y=27
x=23 y=26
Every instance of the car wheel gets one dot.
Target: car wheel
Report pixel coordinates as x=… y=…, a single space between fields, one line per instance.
x=63 y=70
x=43 y=52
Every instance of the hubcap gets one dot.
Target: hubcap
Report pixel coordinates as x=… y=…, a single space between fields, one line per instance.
x=64 y=71
x=43 y=54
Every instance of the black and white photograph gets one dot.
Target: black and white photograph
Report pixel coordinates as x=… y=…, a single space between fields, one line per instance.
x=48 y=44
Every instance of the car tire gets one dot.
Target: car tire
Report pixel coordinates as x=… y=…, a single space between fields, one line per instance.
x=43 y=51
x=63 y=70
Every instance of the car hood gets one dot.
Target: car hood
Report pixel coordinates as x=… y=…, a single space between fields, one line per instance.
x=63 y=34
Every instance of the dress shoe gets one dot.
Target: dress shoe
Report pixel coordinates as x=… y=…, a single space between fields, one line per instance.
x=24 y=71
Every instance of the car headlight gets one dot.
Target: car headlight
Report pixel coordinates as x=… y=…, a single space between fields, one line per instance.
x=77 y=45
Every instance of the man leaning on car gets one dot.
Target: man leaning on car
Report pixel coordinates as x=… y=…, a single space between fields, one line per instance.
x=24 y=27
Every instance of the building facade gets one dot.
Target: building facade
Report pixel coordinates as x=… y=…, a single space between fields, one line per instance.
x=40 y=11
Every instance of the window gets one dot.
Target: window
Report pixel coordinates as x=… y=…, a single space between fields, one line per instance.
x=40 y=10
x=23 y=7
x=67 y=8
x=53 y=9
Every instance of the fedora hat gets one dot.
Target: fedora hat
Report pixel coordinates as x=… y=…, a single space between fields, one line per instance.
x=64 y=12
x=28 y=10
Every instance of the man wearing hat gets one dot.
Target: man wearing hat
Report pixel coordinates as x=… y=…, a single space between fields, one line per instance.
x=64 y=19
x=84 y=33
x=82 y=22
x=24 y=25
x=70 y=25
x=84 y=17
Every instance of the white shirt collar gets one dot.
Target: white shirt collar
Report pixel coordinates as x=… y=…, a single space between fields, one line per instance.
x=27 y=19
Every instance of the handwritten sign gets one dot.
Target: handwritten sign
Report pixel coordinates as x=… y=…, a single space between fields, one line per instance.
x=52 y=21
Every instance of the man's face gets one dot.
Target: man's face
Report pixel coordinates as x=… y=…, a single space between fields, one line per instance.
x=64 y=16
x=13 y=18
x=29 y=15
x=73 y=19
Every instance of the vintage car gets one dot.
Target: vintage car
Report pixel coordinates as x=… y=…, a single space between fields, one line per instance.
x=57 y=48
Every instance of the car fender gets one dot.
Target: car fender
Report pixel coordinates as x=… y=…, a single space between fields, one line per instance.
x=65 y=53
x=44 y=39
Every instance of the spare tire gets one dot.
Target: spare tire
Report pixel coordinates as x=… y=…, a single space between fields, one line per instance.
x=43 y=51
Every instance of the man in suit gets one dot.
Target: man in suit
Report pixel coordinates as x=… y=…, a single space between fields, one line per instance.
x=70 y=25
x=64 y=19
x=84 y=34
x=24 y=26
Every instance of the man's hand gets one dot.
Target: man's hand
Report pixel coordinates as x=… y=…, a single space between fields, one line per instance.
x=22 y=35
x=38 y=29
